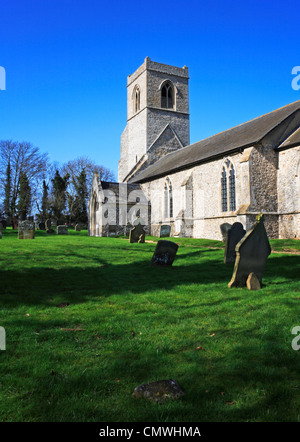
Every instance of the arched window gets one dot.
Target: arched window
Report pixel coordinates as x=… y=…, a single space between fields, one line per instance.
x=136 y=99
x=168 y=199
x=228 y=194
x=167 y=96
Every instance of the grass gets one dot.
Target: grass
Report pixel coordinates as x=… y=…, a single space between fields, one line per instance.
x=128 y=323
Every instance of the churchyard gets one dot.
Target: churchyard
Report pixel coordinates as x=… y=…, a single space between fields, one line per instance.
x=88 y=319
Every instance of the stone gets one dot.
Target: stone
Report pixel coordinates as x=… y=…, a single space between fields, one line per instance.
x=1 y=227
x=26 y=230
x=137 y=234
x=42 y=226
x=127 y=229
x=48 y=224
x=4 y=223
x=62 y=230
x=164 y=231
x=77 y=228
x=165 y=253
x=251 y=255
x=159 y=391
x=224 y=230
x=234 y=235
x=0 y=234
x=253 y=282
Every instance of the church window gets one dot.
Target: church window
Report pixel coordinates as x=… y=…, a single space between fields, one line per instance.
x=167 y=96
x=228 y=192
x=168 y=199
x=136 y=99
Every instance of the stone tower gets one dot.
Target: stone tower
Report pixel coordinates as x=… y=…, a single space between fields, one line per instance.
x=157 y=116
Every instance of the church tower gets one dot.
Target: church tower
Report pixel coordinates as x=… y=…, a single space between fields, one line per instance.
x=157 y=116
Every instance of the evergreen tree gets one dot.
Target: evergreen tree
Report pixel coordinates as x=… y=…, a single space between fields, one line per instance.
x=80 y=209
x=24 y=201
x=45 y=201
x=7 y=198
x=60 y=185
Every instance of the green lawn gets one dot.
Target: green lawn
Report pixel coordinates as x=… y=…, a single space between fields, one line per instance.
x=128 y=323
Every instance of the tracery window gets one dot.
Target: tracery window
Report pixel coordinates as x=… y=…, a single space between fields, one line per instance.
x=167 y=96
x=228 y=192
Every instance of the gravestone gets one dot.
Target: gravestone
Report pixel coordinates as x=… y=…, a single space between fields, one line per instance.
x=164 y=253
x=164 y=231
x=77 y=228
x=4 y=224
x=15 y=223
x=1 y=227
x=234 y=235
x=251 y=255
x=42 y=226
x=224 y=230
x=253 y=282
x=26 y=230
x=127 y=229
x=159 y=391
x=0 y=234
x=137 y=234
x=48 y=224
x=62 y=230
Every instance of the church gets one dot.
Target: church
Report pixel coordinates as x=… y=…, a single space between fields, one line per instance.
x=230 y=177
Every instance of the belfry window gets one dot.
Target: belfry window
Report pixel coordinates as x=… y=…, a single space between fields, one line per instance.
x=136 y=99
x=168 y=199
x=167 y=96
x=228 y=193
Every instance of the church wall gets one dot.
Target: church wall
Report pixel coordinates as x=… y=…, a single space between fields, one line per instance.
x=289 y=192
x=157 y=121
x=206 y=215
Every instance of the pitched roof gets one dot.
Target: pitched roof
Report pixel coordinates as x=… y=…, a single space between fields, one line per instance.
x=231 y=140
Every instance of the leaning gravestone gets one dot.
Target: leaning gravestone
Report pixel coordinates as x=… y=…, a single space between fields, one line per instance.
x=224 y=230
x=251 y=255
x=62 y=230
x=234 y=235
x=137 y=234
x=164 y=231
x=164 y=253
x=26 y=230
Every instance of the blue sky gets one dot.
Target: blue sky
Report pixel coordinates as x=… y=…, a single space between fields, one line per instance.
x=67 y=62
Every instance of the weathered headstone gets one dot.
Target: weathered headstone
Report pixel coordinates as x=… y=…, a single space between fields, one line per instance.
x=164 y=231
x=165 y=253
x=48 y=224
x=62 y=230
x=159 y=391
x=253 y=282
x=137 y=234
x=224 y=230
x=127 y=229
x=234 y=235
x=26 y=230
x=77 y=228
x=4 y=224
x=251 y=255
x=42 y=226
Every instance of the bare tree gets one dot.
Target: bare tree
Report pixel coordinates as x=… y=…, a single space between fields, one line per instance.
x=23 y=158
